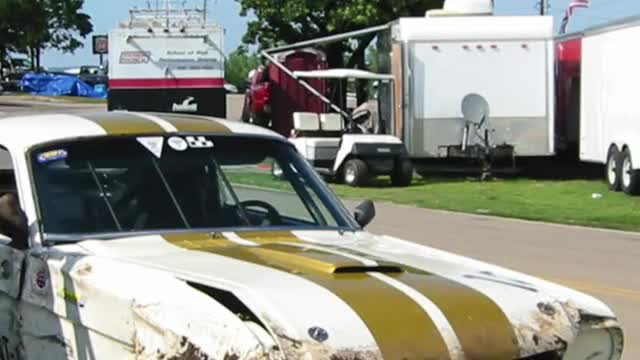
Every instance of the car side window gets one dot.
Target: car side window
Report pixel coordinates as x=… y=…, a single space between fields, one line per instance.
x=7 y=183
x=7 y=176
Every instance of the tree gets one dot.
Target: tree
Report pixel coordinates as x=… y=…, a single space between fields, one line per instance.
x=43 y=24
x=238 y=65
x=285 y=22
x=11 y=32
x=291 y=21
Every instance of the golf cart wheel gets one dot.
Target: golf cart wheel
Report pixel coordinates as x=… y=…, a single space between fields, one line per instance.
x=630 y=179
x=402 y=173
x=355 y=173
x=613 y=169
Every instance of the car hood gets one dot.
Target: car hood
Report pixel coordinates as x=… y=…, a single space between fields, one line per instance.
x=356 y=295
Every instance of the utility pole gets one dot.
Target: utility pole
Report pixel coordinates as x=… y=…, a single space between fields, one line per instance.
x=544 y=5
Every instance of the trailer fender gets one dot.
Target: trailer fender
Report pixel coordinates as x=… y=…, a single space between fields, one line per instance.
x=376 y=145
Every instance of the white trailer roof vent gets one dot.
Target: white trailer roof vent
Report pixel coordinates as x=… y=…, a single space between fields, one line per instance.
x=464 y=8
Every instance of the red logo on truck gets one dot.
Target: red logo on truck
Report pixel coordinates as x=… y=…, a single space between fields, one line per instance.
x=134 y=57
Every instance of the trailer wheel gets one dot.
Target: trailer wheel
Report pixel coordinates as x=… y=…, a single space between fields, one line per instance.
x=630 y=178
x=402 y=174
x=613 y=169
x=355 y=173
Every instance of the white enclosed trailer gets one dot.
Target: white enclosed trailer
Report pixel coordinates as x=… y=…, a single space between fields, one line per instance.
x=609 y=112
x=508 y=61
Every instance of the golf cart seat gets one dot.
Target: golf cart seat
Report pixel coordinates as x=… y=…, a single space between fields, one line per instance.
x=317 y=136
x=331 y=122
x=305 y=122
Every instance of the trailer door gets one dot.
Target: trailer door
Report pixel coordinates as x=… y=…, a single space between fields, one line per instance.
x=514 y=76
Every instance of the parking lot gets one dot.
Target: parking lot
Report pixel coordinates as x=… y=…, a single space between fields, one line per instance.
x=602 y=263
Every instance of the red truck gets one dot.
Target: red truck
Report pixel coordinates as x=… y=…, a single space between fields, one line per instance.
x=273 y=96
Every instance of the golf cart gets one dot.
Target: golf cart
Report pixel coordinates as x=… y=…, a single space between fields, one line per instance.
x=346 y=146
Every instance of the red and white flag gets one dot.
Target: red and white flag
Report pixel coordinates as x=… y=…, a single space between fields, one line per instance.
x=575 y=4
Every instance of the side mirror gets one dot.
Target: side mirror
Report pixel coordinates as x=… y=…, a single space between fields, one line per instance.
x=13 y=222
x=365 y=213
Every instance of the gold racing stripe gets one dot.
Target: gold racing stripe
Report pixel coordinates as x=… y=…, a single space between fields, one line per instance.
x=400 y=327
x=481 y=326
x=479 y=323
x=268 y=237
x=195 y=124
x=121 y=123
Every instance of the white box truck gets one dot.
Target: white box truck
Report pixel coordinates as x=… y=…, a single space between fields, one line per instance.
x=599 y=74
x=167 y=59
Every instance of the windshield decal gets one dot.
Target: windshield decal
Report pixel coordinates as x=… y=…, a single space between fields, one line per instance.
x=199 y=142
x=178 y=143
x=53 y=155
x=194 y=142
x=153 y=144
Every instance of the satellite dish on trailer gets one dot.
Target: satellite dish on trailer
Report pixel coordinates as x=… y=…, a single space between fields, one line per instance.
x=475 y=109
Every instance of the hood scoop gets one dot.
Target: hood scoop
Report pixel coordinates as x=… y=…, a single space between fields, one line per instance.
x=384 y=269
x=302 y=259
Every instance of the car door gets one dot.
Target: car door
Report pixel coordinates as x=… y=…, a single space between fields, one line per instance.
x=29 y=329
x=11 y=263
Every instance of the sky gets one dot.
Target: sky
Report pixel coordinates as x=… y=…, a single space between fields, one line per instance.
x=106 y=13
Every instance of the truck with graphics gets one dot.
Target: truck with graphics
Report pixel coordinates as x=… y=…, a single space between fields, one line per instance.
x=167 y=59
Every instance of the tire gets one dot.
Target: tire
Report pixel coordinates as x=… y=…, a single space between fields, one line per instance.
x=355 y=173
x=613 y=169
x=630 y=179
x=402 y=174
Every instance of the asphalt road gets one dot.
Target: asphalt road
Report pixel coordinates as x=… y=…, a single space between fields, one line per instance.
x=12 y=105
x=602 y=263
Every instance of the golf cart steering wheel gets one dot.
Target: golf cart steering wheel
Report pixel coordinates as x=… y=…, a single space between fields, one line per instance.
x=273 y=215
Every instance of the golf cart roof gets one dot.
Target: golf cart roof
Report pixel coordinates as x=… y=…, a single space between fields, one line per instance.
x=342 y=74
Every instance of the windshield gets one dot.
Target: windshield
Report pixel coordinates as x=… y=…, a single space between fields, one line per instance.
x=145 y=184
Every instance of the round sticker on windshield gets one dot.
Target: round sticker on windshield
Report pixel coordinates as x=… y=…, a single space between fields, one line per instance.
x=178 y=144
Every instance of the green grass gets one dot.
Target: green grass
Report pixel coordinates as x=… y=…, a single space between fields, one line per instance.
x=564 y=202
